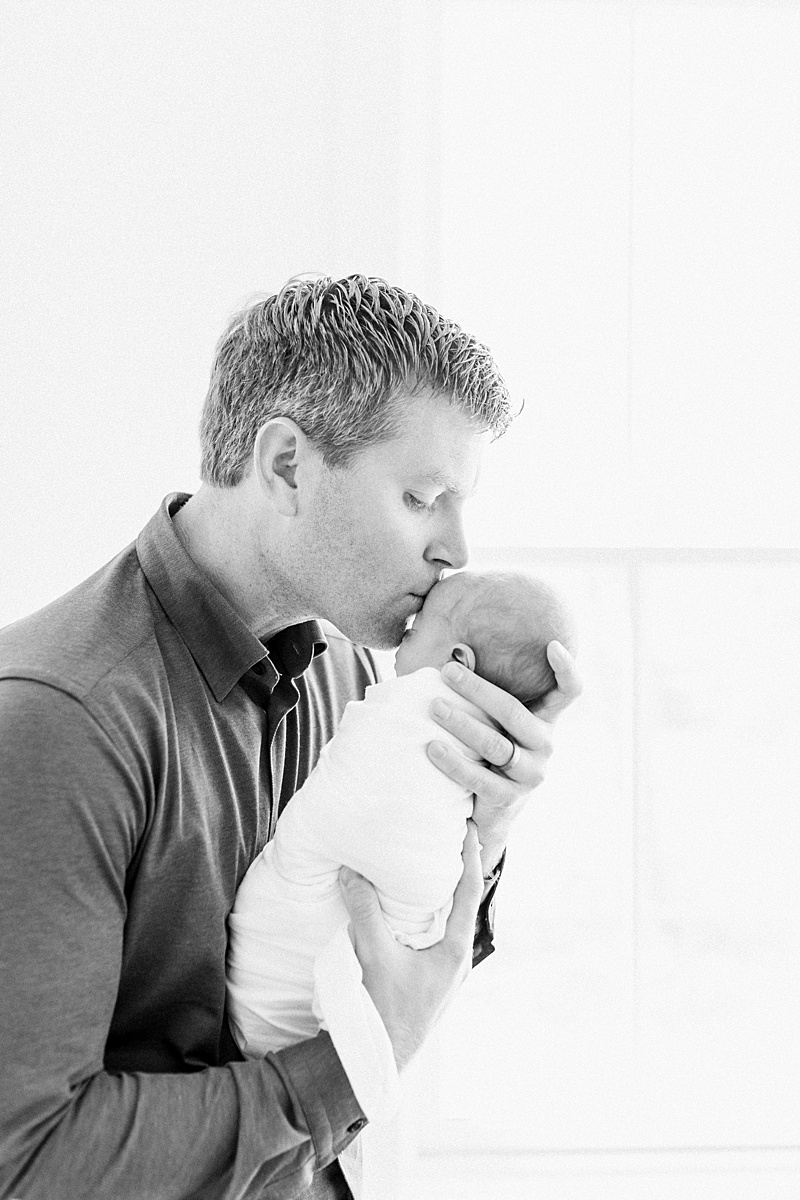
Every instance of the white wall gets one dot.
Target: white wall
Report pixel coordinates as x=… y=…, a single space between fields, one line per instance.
x=607 y=194
x=161 y=164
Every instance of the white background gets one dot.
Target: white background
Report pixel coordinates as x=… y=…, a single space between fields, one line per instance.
x=608 y=195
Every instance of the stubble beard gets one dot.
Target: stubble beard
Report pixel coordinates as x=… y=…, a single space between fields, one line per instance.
x=377 y=632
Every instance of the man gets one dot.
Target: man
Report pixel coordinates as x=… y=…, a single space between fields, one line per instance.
x=154 y=721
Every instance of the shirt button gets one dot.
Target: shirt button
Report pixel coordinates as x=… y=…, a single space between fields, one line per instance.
x=359 y=1124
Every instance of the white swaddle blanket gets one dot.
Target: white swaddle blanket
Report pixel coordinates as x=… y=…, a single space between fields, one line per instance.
x=375 y=803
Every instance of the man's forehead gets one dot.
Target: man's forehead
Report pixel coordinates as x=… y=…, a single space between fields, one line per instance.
x=438 y=445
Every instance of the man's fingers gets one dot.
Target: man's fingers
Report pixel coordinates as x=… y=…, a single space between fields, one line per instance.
x=467 y=896
x=568 y=683
x=513 y=717
x=502 y=707
x=492 y=745
x=470 y=775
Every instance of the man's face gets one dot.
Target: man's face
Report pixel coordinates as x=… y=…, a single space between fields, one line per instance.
x=379 y=533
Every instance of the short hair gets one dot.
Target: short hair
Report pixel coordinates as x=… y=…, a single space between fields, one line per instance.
x=336 y=356
x=508 y=618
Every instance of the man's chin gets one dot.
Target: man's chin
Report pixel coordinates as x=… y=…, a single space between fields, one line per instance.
x=375 y=636
x=381 y=641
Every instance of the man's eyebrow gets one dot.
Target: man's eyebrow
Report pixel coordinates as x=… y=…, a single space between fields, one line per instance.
x=445 y=480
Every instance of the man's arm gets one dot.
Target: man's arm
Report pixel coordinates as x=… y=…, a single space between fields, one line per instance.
x=500 y=796
x=69 y=817
x=405 y=985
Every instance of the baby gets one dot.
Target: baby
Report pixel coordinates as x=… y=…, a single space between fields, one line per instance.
x=497 y=624
x=376 y=803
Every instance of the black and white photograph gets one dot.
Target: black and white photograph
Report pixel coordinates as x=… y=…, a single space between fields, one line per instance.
x=400 y=600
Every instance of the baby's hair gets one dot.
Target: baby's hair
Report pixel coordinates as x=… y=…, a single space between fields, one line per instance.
x=508 y=618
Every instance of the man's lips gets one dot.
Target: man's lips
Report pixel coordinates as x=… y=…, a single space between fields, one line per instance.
x=420 y=595
x=422 y=592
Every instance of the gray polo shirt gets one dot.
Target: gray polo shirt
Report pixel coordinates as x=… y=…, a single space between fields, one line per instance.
x=138 y=781
x=148 y=741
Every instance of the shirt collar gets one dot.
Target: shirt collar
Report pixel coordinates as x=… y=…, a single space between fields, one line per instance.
x=217 y=638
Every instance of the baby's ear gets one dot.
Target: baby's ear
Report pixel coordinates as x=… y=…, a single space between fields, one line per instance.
x=465 y=655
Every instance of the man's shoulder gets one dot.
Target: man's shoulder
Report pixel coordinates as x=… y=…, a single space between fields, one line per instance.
x=83 y=636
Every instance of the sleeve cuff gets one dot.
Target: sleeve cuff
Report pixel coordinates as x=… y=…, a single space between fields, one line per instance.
x=483 y=945
x=315 y=1078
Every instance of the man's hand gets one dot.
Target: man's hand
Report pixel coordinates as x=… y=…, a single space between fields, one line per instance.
x=500 y=795
x=411 y=988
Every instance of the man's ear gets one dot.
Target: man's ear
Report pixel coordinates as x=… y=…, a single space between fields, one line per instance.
x=279 y=449
x=464 y=654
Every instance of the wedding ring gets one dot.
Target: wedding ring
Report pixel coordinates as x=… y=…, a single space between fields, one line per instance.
x=512 y=762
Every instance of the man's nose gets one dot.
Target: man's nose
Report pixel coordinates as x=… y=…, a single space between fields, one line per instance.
x=450 y=548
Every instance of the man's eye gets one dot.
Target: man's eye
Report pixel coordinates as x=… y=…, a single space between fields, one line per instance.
x=415 y=503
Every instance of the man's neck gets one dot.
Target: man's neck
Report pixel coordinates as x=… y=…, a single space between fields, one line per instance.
x=214 y=527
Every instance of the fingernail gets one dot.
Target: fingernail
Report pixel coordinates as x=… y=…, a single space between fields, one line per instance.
x=437 y=750
x=452 y=671
x=440 y=708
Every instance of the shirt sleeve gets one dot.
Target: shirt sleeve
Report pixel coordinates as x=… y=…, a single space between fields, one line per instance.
x=70 y=809
x=484 y=945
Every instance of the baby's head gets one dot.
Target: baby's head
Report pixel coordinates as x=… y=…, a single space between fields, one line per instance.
x=496 y=623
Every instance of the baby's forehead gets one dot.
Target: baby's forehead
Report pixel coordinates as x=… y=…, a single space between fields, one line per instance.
x=456 y=589
x=457 y=596
x=475 y=584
